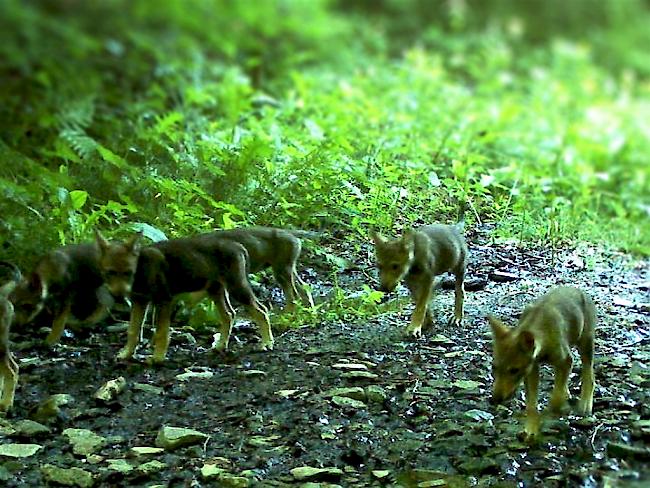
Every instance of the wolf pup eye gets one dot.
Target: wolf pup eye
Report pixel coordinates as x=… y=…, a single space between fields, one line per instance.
x=514 y=371
x=395 y=267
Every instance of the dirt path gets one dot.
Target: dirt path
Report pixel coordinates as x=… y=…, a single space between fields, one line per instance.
x=418 y=413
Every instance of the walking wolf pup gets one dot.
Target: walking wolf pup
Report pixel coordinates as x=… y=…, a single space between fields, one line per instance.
x=66 y=283
x=547 y=329
x=156 y=274
x=417 y=258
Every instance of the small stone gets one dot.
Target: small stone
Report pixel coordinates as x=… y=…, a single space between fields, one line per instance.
x=173 y=437
x=376 y=394
x=356 y=392
x=67 y=477
x=360 y=375
x=286 y=393
x=348 y=402
x=139 y=452
x=466 y=384
x=155 y=390
x=307 y=473
x=29 y=428
x=380 y=474
x=185 y=338
x=210 y=471
x=19 y=450
x=151 y=467
x=479 y=415
x=254 y=373
x=109 y=391
x=50 y=408
x=350 y=366
x=194 y=375
x=84 y=441
x=479 y=466
x=120 y=465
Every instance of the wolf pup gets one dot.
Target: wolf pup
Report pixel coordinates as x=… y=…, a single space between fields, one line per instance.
x=417 y=258
x=8 y=364
x=277 y=249
x=66 y=283
x=158 y=273
x=547 y=330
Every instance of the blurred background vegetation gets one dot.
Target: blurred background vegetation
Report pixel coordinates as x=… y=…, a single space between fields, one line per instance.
x=188 y=115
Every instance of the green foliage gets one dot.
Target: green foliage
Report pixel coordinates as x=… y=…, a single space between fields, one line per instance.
x=188 y=115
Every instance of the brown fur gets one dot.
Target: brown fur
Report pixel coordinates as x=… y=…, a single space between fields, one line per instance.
x=562 y=318
x=417 y=258
x=277 y=249
x=158 y=273
x=66 y=283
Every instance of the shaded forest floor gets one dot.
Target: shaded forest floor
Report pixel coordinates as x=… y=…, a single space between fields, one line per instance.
x=414 y=413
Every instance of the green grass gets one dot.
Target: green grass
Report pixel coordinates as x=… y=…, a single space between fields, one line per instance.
x=292 y=113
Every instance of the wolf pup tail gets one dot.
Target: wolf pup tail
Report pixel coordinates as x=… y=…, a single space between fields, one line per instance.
x=460 y=219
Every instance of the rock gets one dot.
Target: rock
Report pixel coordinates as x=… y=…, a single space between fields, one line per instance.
x=623 y=451
x=502 y=276
x=254 y=373
x=381 y=474
x=466 y=384
x=189 y=375
x=348 y=402
x=479 y=466
x=350 y=366
x=479 y=415
x=360 y=375
x=151 y=467
x=376 y=394
x=286 y=393
x=173 y=437
x=50 y=408
x=67 y=477
x=29 y=428
x=356 y=393
x=84 y=441
x=211 y=471
x=146 y=451
x=120 y=465
x=19 y=450
x=109 y=391
x=307 y=473
x=185 y=338
x=156 y=390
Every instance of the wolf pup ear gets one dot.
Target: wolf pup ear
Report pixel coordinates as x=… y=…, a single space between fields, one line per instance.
x=408 y=240
x=499 y=329
x=37 y=285
x=377 y=237
x=526 y=341
x=133 y=243
x=102 y=242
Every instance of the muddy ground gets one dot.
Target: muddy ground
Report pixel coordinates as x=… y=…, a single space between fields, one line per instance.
x=429 y=422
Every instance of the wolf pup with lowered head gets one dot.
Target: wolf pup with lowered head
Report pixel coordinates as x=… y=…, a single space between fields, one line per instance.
x=158 y=273
x=277 y=249
x=418 y=257
x=66 y=283
x=8 y=364
x=547 y=330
